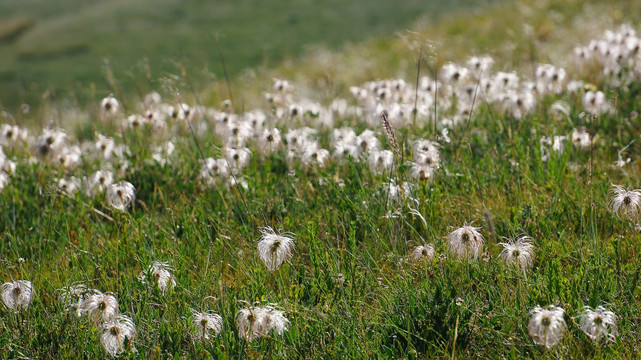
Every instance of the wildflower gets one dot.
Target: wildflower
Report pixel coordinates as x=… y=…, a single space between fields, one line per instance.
x=72 y=297
x=116 y=332
x=547 y=326
x=599 y=324
x=519 y=253
x=395 y=192
x=281 y=85
x=581 y=138
x=236 y=133
x=160 y=273
x=98 y=182
x=104 y=147
x=11 y=134
x=109 y=106
x=269 y=141
x=237 y=158
x=367 y=142
x=6 y=165
x=549 y=79
x=234 y=181
x=152 y=99
x=315 y=156
x=68 y=157
x=423 y=252
x=466 y=242
x=179 y=112
x=595 y=102
x=162 y=153
x=519 y=104
x=343 y=150
x=342 y=135
x=49 y=143
x=506 y=81
x=69 y=185
x=134 y=121
x=626 y=203
x=381 y=162
x=274 y=248
x=255 y=322
x=206 y=325
x=17 y=295
x=421 y=172
x=121 y=195
x=100 y=307
x=453 y=74
x=480 y=65
x=214 y=169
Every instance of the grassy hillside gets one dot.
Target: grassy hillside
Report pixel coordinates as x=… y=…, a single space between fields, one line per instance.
x=518 y=34
x=63 y=45
x=494 y=216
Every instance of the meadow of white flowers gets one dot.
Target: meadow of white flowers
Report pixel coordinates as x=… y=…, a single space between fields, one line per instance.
x=372 y=128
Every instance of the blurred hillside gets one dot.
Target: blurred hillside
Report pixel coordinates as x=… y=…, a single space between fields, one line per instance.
x=59 y=49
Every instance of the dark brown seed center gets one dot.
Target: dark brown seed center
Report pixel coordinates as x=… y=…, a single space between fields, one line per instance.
x=545 y=321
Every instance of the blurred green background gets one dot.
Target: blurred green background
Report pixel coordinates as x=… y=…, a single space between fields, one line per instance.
x=59 y=49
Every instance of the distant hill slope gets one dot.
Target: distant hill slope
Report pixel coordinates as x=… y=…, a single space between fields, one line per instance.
x=63 y=45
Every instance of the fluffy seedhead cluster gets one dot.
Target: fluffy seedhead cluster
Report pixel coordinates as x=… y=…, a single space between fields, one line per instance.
x=102 y=310
x=260 y=321
x=303 y=132
x=616 y=55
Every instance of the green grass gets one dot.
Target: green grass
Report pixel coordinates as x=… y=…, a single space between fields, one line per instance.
x=63 y=53
x=387 y=307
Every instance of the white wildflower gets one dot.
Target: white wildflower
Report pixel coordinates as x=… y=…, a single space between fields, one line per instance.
x=274 y=248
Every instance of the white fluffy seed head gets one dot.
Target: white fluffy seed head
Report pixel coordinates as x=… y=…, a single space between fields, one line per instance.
x=17 y=295
x=274 y=249
x=625 y=203
x=100 y=307
x=423 y=253
x=466 y=242
x=116 y=332
x=255 y=322
x=121 y=195
x=205 y=325
x=159 y=273
x=599 y=324
x=518 y=253
x=547 y=325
